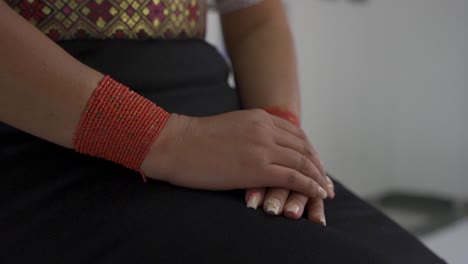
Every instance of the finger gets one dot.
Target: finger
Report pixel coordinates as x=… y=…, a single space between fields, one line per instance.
x=284 y=177
x=331 y=186
x=299 y=133
x=294 y=207
x=292 y=159
x=315 y=211
x=274 y=200
x=308 y=149
x=292 y=129
x=286 y=140
x=254 y=197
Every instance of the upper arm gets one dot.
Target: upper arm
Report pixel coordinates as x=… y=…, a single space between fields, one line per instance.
x=238 y=24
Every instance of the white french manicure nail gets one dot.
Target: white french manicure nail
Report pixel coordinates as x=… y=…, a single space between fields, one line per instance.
x=322 y=193
x=294 y=208
x=322 y=220
x=330 y=182
x=252 y=201
x=273 y=206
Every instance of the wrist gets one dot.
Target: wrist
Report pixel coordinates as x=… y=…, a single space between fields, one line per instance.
x=283 y=112
x=119 y=125
x=162 y=158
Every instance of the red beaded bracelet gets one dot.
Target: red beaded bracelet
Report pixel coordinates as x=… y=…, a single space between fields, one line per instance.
x=283 y=113
x=119 y=125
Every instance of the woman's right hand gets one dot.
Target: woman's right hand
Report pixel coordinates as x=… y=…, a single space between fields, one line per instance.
x=236 y=150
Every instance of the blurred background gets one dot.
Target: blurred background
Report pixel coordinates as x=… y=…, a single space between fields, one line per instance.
x=385 y=102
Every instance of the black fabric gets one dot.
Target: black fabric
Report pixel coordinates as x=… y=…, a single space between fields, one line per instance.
x=57 y=206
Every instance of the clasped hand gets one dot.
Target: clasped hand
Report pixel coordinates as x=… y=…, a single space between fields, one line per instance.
x=247 y=149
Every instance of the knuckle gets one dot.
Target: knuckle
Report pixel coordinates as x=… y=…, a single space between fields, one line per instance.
x=259 y=114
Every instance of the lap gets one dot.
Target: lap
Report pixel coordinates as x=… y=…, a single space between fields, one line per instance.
x=77 y=209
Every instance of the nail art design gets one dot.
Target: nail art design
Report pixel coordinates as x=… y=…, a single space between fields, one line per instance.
x=322 y=220
x=253 y=200
x=273 y=206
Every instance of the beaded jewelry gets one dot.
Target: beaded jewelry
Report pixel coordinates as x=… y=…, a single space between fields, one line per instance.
x=119 y=125
x=283 y=113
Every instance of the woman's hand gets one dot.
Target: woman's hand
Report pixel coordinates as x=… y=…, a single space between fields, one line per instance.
x=278 y=201
x=237 y=150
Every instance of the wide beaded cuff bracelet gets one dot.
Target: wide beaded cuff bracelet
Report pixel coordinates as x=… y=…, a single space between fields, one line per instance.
x=119 y=125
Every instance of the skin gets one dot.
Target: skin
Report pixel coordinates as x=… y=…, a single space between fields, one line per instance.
x=261 y=48
x=44 y=90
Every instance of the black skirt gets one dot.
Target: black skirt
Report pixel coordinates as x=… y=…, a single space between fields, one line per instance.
x=57 y=206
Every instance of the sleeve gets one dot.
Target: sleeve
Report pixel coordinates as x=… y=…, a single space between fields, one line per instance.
x=226 y=6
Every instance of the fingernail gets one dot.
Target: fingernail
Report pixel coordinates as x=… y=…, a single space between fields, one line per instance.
x=294 y=208
x=273 y=206
x=330 y=182
x=322 y=193
x=252 y=201
x=322 y=220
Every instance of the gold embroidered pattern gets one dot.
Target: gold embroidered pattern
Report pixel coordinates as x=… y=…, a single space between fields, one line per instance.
x=115 y=19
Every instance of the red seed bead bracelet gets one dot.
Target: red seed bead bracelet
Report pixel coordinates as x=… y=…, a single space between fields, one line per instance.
x=283 y=113
x=119 y=125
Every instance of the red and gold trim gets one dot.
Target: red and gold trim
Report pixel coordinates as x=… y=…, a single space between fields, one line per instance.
x=115 y=19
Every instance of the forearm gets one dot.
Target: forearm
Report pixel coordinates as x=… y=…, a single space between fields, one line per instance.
x=265 y=64
x=43 y=90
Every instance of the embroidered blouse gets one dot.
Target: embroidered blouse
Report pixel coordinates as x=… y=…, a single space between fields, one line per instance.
x=121 y=19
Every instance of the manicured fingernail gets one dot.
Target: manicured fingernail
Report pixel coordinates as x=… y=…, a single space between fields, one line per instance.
x=273 y=206
x=322 y=193
x=322 y=220
x=253 y=200
x=293 y=208
x=330 y=182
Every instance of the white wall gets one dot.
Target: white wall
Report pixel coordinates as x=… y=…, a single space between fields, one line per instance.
x=385 y=97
